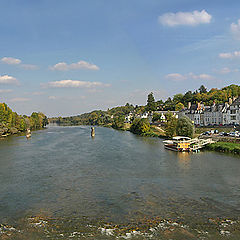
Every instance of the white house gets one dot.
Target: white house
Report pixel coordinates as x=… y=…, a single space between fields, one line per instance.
x=234 y=112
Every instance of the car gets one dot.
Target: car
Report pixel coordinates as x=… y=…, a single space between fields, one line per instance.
x=233 y=134
x=206 y=133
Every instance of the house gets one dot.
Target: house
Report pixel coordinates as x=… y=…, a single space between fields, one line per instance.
x=163 y=114
x=129 y=118
x=234 y=112
x=216 y=114
x=194 y=112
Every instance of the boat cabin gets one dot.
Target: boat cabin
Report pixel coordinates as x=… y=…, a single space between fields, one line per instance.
x=178 y=143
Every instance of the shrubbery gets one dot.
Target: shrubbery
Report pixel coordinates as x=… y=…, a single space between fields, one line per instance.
x=225 y=147
x=140 y=126
x=185 y=127
x=11 y=122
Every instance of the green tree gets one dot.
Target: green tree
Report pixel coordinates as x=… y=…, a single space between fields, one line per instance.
x=178 y=98
x=202 y=89
x=169 y=105
x=171 y=124
x=118 y=122
x=156 y=117
x=140 y=126
x=188 y=97
x=179 y=106
x=151 y=105
x=93 y=118
x=34 y=120
x=185 y=127
x=23 y=125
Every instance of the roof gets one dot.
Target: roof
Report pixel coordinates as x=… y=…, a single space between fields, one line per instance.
x=236 y=102
x=181 y=138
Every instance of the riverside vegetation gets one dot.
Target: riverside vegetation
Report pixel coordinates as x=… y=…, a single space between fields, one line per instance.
x=115 y=117
x=12 y=123
x=226 y=147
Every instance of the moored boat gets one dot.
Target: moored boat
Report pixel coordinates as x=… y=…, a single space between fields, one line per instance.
x=178 y=144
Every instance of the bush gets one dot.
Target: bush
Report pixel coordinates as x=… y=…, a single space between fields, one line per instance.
x=185 y=127
x=225 y=147
x=140 y=126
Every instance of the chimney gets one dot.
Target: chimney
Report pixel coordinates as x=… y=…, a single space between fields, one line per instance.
x=189 y=105
x=230 y=101
x=198 y=106
x=234 y=98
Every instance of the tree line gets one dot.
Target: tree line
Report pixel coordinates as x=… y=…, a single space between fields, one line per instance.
x=115 y=117
x=179 y=101
x=11 y=122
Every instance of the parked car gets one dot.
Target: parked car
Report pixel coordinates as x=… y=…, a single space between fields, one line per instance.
x=234 y=134
x=206 y=133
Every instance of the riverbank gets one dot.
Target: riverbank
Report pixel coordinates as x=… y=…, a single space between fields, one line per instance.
x=43 y=227
x=226 y=147
x=7 y=132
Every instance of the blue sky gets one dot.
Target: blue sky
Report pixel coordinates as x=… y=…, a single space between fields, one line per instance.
x=68 y=57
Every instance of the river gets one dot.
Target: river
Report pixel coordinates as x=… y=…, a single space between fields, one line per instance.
x=63 y=184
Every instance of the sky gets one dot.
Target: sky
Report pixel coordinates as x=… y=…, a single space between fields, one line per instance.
x=67 y=57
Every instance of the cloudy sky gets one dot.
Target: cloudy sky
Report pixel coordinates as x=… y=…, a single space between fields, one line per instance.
x=66 y=57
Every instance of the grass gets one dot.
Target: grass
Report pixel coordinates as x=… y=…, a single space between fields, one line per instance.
x=226 y=147
x=157 y=132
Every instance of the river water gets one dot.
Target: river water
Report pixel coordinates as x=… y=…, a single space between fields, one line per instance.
x=63 y=184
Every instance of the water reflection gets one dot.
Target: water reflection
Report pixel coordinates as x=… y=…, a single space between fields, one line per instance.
x=118 y=176
x=184 y=160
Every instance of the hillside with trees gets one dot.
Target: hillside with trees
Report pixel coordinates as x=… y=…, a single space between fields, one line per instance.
x=180 y=100
x=115 y=117
x=12 y=123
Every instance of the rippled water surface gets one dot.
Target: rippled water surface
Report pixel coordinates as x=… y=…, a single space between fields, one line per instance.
x=117 y=180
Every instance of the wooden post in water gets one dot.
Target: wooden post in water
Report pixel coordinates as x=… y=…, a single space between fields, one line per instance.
x=28 y=135
x=92 y=132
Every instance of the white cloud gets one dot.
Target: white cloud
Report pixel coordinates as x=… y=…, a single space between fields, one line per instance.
x=200 y=76
x=226 y=70
x=175 y=77
x=179 y=77
x=185 y=18
x=15 y=61
x=5 y=79
x=235 y=29
x=75 y=84
x=5 y=90
x=29 y=66
x=230 y=55
x=62 y=66
x=52 y=97
x=38 y=93
x=19 y=100
x=11 y=61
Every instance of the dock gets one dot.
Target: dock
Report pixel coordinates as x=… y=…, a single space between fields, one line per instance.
x=196 y=143
x=186 y=144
